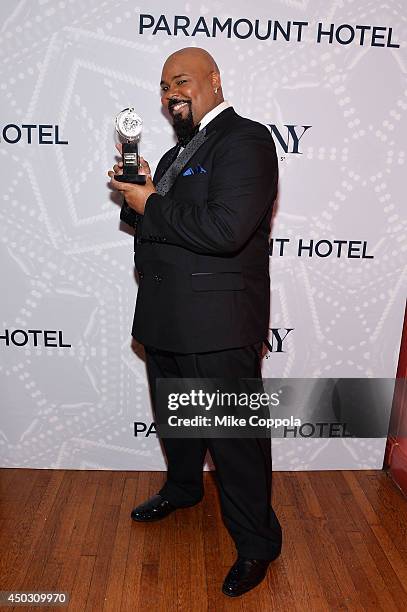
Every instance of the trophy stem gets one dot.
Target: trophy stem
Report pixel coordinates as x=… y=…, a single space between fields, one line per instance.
x=130 y=158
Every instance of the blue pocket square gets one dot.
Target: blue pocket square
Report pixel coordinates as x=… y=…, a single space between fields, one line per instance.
x=197 y=170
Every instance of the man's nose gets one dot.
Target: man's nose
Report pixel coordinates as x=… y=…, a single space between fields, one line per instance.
x=173 y=92
x=166 y=98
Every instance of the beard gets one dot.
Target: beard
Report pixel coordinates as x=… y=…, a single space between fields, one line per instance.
x=184 y=127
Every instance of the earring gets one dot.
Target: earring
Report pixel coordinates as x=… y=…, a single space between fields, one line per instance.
x=215 y=90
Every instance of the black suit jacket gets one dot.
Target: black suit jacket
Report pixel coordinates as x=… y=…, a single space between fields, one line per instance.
x=201 y=251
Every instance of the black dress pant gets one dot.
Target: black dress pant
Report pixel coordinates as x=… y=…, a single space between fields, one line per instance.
x=243 y=465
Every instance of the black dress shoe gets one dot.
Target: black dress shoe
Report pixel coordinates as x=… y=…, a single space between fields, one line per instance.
x=244 y=575
x=154 y=509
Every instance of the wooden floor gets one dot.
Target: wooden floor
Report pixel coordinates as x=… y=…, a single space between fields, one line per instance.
x=345 y=544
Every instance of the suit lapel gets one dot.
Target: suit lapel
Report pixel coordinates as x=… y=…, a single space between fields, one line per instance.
x=165 y=163
x=167 y=180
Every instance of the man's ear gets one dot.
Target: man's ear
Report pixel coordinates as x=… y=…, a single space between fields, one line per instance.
x=216 y=83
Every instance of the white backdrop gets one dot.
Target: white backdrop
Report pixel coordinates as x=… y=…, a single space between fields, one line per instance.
x=67 y=264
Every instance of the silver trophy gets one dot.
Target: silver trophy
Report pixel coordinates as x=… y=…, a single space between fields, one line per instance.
x=128 y=126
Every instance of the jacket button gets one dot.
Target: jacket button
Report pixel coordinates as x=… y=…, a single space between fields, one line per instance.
x=141 y=275
x=157 y=278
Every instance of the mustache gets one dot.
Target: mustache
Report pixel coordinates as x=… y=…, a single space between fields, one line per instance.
x=172 y=102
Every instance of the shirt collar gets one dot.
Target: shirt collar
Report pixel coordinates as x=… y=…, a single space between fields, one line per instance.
x=213 y=113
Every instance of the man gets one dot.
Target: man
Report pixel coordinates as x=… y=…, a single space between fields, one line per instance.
x=202 y=311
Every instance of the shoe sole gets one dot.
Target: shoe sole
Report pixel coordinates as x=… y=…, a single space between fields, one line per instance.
x=244 y=592
x=152 y=520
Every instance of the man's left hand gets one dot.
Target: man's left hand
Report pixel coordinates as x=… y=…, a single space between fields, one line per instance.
x=136 y=195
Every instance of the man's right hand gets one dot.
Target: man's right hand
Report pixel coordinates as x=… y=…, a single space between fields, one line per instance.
x=144 y=167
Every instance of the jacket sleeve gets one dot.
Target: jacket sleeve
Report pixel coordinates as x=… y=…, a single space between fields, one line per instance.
x=128 y=215
x=243 y=185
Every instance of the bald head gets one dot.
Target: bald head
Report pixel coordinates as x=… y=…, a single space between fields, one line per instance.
x=190 y=83
x=200 y=57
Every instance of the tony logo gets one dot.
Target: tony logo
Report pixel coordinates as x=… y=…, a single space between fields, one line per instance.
x=276 y=340
x=289 y=139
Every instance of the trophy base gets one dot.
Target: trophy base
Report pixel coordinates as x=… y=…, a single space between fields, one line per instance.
x=137 y=179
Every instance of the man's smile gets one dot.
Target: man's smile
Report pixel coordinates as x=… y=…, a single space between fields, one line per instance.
x=177 y=106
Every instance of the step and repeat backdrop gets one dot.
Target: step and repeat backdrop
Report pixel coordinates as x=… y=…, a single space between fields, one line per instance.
x=328 y=78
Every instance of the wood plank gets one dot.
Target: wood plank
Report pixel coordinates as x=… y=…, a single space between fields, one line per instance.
x=132 y=594
x=362 y=500
x=98 y=584
x=51 y=546
x=190 y=566
x=99 y=511
x=12 y=532
x=118 y=563
x=387 y=499
x=362 y=586
x=72 y=560
x=378 y=586
x=397 y=582
x=34 y=530
x=80 y=589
